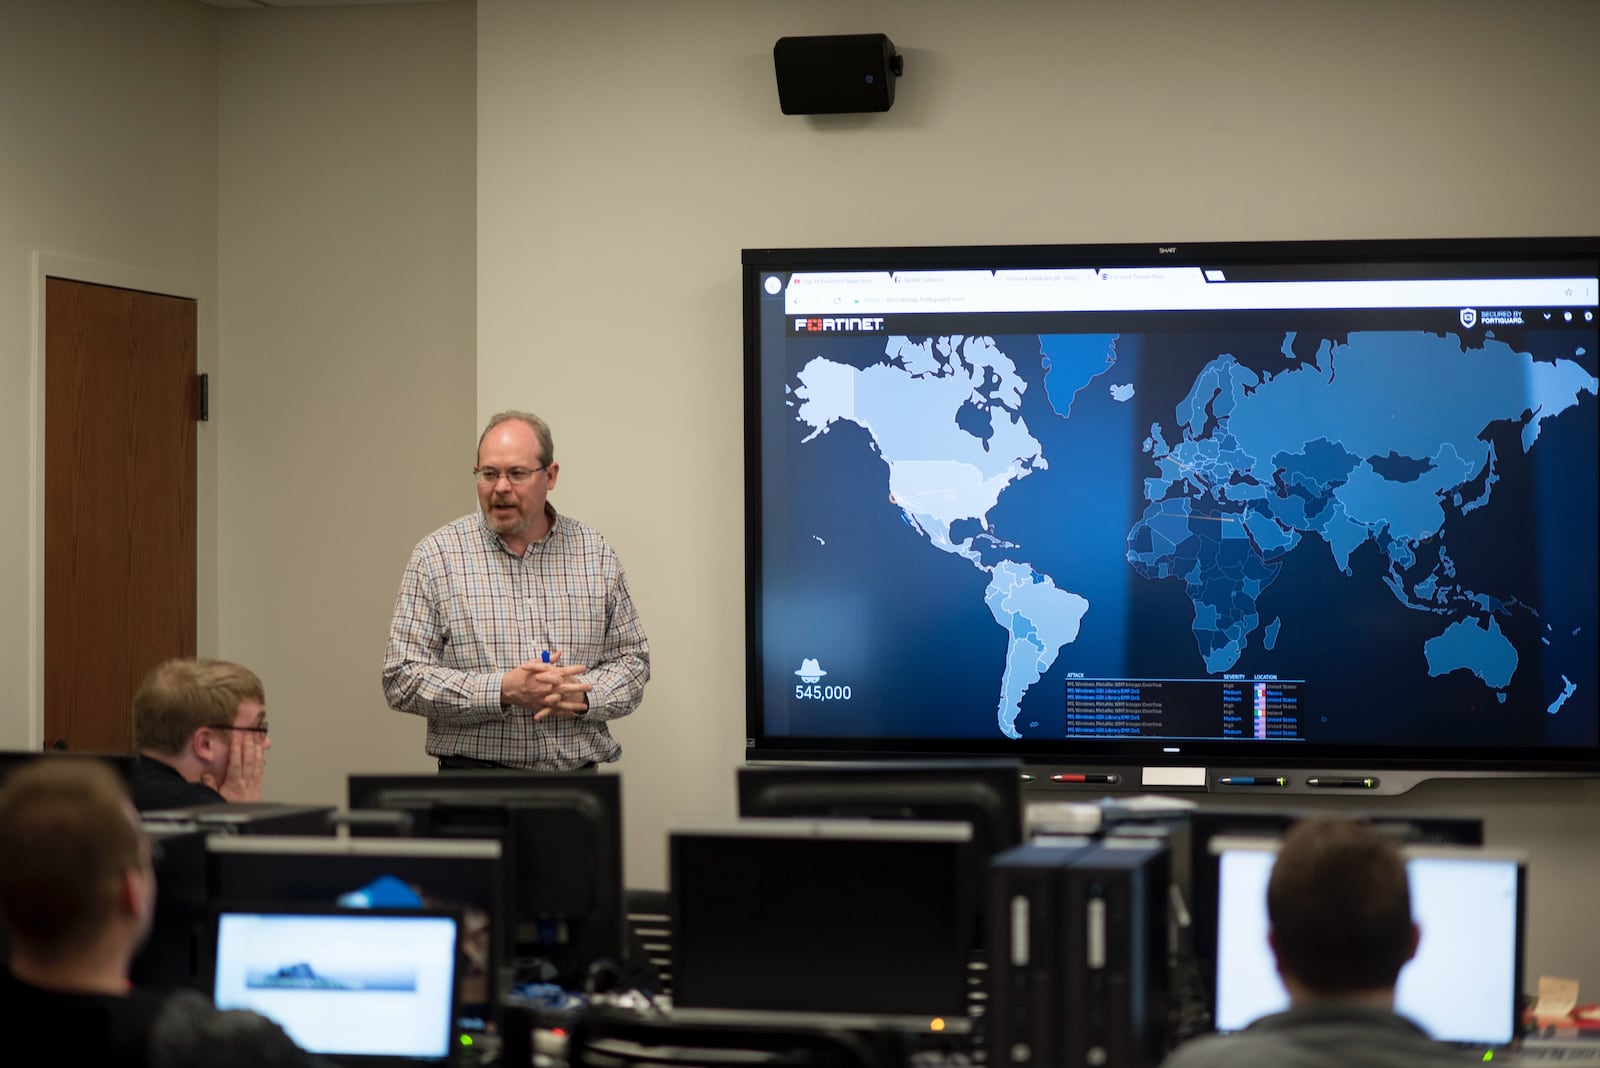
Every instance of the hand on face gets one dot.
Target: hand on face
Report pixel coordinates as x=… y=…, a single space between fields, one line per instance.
x=240 y=778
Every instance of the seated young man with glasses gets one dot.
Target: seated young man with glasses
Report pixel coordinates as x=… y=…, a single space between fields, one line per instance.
x=200 y=727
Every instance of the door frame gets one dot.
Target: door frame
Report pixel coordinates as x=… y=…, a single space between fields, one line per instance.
x=122 y=276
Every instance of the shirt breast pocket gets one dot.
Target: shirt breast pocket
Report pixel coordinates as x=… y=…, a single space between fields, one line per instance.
x=579 y=630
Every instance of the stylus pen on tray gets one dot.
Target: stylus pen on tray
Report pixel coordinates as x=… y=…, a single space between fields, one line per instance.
x=1098 y=780
x=1347 y=784
x=1254 y=780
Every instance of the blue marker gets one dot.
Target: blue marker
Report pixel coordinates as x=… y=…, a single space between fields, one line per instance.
x=545 y=656
x=1254 y=780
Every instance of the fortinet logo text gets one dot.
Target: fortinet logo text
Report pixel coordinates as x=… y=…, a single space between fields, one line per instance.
x=845 y=326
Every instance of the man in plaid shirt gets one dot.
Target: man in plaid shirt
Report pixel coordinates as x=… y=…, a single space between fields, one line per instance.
x=514 y=632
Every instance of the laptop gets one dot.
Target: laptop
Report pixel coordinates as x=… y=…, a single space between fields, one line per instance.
x=358 y=986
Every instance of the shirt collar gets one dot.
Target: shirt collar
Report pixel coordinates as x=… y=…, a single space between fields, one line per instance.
x=1334 y=1010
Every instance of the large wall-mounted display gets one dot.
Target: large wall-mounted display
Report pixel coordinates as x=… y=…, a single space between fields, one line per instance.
x=1271 y=505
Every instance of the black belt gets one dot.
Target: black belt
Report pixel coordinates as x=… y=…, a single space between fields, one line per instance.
x=466 y=763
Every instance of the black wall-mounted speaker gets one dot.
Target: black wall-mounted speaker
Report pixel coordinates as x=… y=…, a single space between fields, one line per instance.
x=831 y=75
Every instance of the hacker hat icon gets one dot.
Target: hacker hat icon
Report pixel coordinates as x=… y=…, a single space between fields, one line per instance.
x=810 y=670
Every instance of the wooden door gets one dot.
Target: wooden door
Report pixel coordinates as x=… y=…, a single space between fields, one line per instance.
x=119 y=503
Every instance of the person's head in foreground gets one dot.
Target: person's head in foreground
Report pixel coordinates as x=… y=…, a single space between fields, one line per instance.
x=77 y=890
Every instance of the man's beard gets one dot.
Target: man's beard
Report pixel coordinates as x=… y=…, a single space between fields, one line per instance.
x=514 y=523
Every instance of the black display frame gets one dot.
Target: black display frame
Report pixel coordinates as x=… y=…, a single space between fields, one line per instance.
x=1131 y=763
x=543 y=820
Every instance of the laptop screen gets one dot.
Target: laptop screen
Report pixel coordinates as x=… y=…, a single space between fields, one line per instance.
x=1461 y=987
x=345 y=984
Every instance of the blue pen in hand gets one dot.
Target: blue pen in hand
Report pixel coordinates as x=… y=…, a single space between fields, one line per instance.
x=545 y=656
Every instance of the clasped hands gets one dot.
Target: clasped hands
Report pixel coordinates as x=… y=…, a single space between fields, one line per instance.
x=551 y=691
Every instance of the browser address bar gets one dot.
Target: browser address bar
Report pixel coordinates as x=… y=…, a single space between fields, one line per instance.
x=1165 y=290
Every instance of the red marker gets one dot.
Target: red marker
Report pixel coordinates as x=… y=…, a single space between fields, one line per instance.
x=1098 y=780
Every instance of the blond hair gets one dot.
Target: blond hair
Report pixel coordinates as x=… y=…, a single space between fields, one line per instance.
x=179 y=697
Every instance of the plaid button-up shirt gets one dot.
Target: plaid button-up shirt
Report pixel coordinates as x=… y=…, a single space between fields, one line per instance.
x=469 y=610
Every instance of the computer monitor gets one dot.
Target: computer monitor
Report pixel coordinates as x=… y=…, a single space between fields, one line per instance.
x=985 y=794
x=561 y=841
x=245 y=817
x=1464 y=984
x=126 y=765
x=173 y=954
x=360 y=986
x=464 y=876
x=1195 y=864
x=866 y=919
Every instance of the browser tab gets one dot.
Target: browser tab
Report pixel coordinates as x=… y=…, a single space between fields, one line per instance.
x=839 y=278
x=1155 y=275
x=943 y=278
x=832 y=292
x=1048 y=276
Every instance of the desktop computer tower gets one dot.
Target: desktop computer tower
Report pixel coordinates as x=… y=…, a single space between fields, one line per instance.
x=1025 y=1022
x=1117 y=984
x=1078 y=965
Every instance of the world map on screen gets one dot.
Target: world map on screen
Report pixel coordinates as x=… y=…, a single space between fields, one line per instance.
x=1378 y=450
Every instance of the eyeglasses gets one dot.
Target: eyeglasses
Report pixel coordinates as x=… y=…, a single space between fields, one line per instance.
x=259 y=729
x=489 y=476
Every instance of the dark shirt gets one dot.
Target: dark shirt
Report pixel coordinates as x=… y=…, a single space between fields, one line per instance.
x=157 y=785
x=78 y=1028
x=142 y=1029
x=193 y=1033
x=1329 y=1035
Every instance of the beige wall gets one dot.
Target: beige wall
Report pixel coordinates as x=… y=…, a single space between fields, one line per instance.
x=399 y=219
x=627 y=154
x=347 y=237
x=108 y=148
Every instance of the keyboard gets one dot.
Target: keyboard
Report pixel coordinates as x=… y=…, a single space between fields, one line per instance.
x=1555 y=1051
